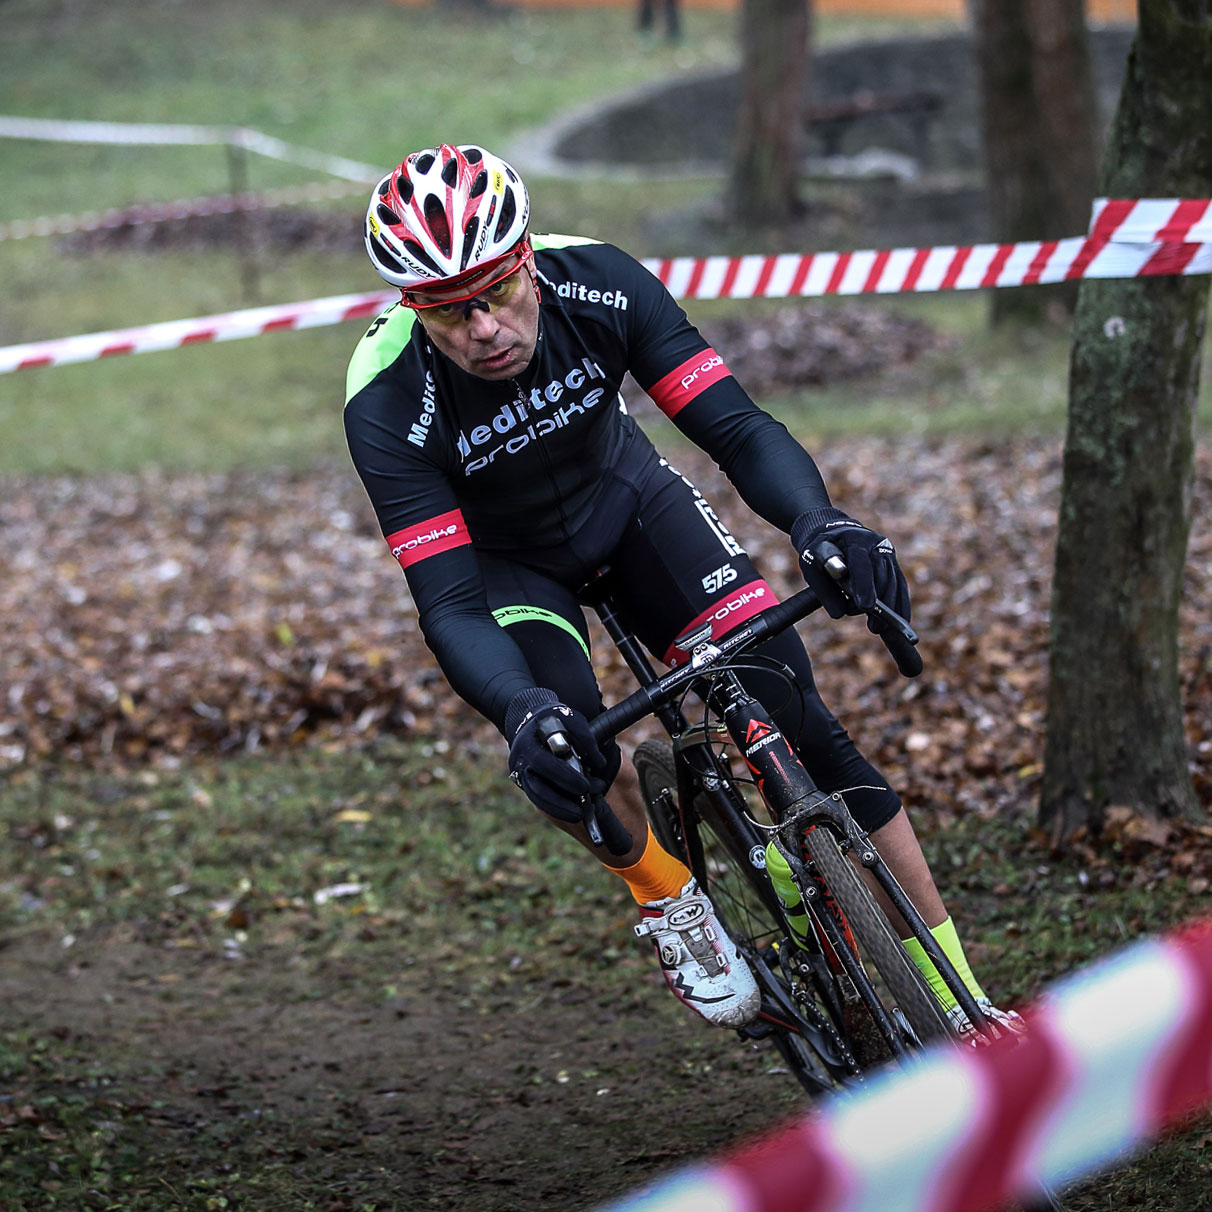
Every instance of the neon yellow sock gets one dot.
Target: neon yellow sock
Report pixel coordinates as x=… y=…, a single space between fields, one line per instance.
x=948 y=939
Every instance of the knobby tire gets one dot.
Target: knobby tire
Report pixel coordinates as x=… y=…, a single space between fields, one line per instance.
x=877 y=941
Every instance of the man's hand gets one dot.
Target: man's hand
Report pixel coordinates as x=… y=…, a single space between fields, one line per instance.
x=870 y=560
x=552 y=784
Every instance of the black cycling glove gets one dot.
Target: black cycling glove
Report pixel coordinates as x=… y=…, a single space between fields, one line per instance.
x=869 y=557
x=550 y=782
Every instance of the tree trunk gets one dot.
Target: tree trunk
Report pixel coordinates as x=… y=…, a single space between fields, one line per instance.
x=1069 y=133
x=1038 y=129
x=1115 y=731
x=768 y=152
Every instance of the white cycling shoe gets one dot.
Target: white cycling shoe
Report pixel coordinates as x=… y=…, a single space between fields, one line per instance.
x=699 y=960
x=1003 y=1022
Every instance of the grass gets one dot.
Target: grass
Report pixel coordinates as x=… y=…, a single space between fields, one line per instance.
x=289 y=69
x=274 y=399
x=337 y=876
x=361 y=79
x=251 y=851
x=357 y=79
x=241 y=858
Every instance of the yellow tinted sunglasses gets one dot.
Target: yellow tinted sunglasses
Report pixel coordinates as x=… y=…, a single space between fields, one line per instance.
x=490 y=288
x=491 y=298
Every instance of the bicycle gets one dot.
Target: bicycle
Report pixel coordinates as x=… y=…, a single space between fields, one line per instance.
x=840 y=994
x=841 y=997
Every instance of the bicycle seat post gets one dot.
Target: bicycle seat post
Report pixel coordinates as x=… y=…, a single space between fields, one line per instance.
x=597 y=595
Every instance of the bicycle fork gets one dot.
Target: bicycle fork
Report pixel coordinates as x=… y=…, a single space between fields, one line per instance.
x=798 y=804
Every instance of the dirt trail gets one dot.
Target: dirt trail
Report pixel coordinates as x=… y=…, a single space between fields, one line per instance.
x=550 y=1098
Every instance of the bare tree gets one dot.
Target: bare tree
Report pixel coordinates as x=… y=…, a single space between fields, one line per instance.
x=767 y=156
x=1115 y=731
x=1038 y=127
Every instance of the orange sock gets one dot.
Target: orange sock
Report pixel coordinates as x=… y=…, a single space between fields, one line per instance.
x=657 y=874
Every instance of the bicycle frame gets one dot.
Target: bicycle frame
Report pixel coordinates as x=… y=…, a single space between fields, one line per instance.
x=795 y=803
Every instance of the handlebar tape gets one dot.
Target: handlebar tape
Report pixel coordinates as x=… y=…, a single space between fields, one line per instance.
x=603 y=827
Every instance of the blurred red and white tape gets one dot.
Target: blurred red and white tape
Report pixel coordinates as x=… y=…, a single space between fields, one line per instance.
x=1111 y=1058
x=1128 y=238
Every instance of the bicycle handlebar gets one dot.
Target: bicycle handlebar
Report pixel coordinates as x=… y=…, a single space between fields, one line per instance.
x=896 y=633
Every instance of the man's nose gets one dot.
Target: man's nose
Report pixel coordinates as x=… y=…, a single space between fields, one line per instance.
x=482 y=323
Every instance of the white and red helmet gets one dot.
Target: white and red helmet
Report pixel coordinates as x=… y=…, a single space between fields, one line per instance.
x=445 y=214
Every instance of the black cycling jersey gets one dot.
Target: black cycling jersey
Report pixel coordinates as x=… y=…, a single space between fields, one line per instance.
x=455 y=464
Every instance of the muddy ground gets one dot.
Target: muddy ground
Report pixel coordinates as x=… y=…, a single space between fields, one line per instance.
x=561 y=1087
x=544 y=1097
x=265 y=1057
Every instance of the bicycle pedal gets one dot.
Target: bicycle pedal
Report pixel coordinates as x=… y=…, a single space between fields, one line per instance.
x=758 y=1029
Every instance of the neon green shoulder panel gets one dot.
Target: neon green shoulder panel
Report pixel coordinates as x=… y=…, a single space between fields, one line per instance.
x=379 y=348
x=554 y=241
x=390 y=332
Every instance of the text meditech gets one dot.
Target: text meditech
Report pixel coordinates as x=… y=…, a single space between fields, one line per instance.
x=420 y=427
x=584 y=294
x=520 y=413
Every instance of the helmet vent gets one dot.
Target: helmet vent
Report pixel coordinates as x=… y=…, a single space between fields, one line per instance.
x=383 y=257
x=473 y=155
x=509 y=209
x=421 y=255
x=406 y=190
x=479 y=185
x=435 y=220
x=469 y=240
x=450 y=172
x=424 y=162
x=387 y=214
x=384 y=186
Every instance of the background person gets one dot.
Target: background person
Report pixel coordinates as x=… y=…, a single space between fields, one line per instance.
x=646 y=18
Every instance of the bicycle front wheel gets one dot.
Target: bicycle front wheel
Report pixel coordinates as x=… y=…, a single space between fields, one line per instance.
x=876 y=939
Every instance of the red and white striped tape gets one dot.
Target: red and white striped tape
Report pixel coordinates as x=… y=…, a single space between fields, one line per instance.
x=1111 y=1058
x=1144 y=220
x=175 y=334
x=1128 y=238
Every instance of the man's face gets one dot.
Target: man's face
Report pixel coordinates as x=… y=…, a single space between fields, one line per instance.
x=491 y=335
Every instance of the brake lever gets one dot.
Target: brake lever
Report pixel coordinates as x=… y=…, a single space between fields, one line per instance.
x=603 y=827
x=897 y=632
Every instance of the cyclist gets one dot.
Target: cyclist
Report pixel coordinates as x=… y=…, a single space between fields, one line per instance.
x=484 y=418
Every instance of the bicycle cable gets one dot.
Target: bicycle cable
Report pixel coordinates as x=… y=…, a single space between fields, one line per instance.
x=721 y=765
